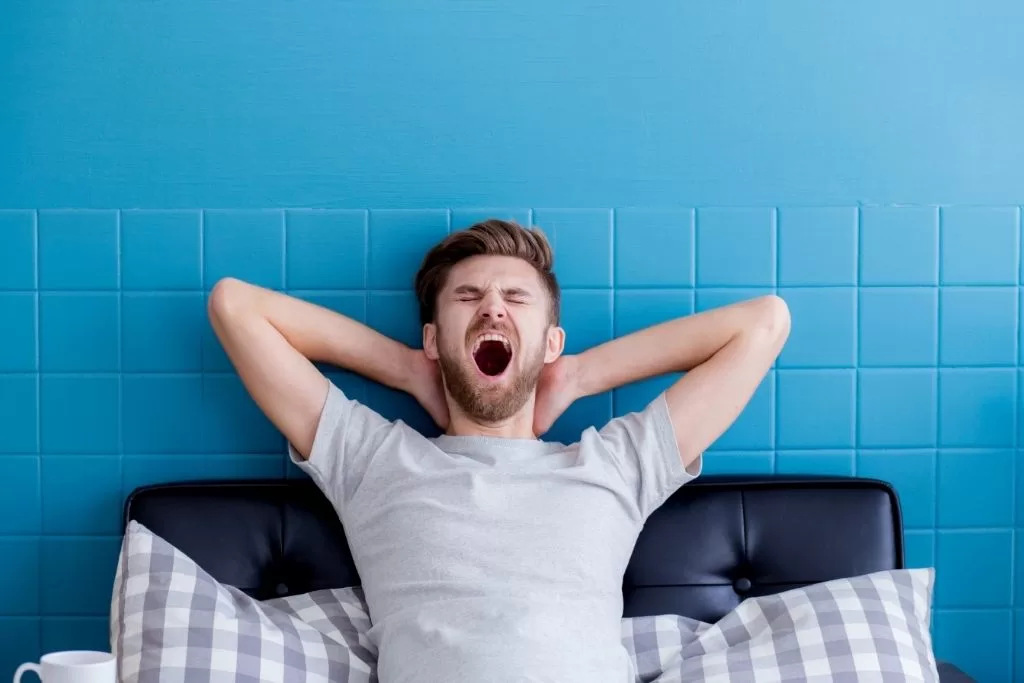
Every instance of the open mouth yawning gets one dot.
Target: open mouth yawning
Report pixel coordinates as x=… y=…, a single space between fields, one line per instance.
x=492 y=353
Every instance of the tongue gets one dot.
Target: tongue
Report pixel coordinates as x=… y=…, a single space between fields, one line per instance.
x=492 y=358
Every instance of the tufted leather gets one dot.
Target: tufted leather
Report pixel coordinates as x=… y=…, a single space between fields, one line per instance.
x=717 y=541
x=267 y=538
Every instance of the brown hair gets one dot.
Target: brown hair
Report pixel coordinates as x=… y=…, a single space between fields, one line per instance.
x=492 y=237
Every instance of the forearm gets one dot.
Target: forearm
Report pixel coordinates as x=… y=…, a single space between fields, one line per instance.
x=674 y=346
x=248 y=312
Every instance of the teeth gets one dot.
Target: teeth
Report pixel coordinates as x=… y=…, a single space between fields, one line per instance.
x=491 y=337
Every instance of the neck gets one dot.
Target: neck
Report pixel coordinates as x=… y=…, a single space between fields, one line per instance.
x=518 y=426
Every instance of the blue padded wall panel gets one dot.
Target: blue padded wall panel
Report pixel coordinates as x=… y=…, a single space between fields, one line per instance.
x=465 y=217
x=816 y=408
x=896 y=407
x=966 y=553
x=636 y=310
x=164 y=413
x=979 y=326
x=20 y=568
x=654 y=247
x=69 y=633
x=898 y=326
x=899 y=245
x=1018 y=645
x=919 y=548
x=976 y=488
x=231 y=420
x=398 y=240
x=78 y=572
x=21 y=638
x=143 y=470
x=824 y=327
x=977 y=407
x=980 y=245
x=94 y=507
x=78 y=250
x=817 y=246
x=1018 y=591
x=912 y=473
x=587 y=318
x=740 y=462
x=980 y=641
x=20 y=507
x=19 y=405
x=260 y=262
x=79 y=332
x=111 y=376
x=736 y=247
x=326 y=249
x=18 y=255
x=320 y=152
x=18 y=343
x=838 y=463
x=80 y=413
x=582 y=243
x=395 y=314
x=267 y=104
x=161 y=250
x=162 y=331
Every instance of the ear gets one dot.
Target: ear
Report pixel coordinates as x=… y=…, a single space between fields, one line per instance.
x=430 y=341
x=555 y=344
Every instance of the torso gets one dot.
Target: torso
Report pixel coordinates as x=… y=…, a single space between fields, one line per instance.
x=484 y=557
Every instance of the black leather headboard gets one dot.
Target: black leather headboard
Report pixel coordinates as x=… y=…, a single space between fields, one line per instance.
x=717 y=541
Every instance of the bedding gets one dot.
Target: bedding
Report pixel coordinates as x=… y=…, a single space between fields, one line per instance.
x=172 y=621
x=873 y=627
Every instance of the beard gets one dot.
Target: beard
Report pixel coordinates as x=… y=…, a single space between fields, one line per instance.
x=488 y=403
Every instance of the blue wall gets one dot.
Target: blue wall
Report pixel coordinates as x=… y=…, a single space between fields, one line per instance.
x=863 y=161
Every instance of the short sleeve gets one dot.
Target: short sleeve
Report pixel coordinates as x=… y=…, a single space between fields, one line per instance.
x=642 y=446
x=348 y=434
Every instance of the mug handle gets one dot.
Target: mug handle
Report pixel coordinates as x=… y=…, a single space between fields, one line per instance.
x=27 y=667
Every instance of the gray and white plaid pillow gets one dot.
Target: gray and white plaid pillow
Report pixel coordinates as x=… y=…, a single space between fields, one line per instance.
x=172 y=622
x=873 y=627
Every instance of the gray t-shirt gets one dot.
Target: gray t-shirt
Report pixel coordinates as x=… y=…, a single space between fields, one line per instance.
x=491 y=559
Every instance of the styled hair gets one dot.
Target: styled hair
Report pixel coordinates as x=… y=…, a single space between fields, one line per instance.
x=492 y=237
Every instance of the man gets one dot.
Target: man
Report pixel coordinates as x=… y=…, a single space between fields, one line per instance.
x=487 y=554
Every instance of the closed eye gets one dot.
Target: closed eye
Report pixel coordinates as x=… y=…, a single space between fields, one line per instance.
x=517 y=296
x=513 y=295
x=467 y=293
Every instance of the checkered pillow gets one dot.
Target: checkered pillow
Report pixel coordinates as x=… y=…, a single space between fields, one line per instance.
x=172 y=622
x=868 y=628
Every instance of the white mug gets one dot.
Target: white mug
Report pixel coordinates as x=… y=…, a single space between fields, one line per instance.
x=72 y=666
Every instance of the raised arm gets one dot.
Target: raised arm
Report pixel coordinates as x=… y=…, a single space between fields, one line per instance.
x=725 y=352
x=273 y=340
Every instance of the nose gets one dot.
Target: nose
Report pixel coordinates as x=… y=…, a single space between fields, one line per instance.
x=493 y=307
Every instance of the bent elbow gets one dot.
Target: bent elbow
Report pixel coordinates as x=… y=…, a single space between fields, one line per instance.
x=227 y=298
x=773 y=318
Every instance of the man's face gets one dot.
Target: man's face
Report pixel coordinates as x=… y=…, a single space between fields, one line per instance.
x=492 y=336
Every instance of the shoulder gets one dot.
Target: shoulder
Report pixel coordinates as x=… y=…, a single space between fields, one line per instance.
x=641 y=442
x=650 y=426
